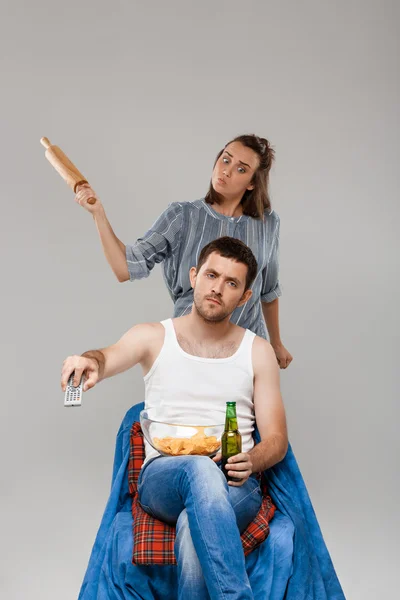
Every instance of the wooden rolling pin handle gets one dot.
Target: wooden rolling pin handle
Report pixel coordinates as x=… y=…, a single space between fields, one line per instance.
x=47 y=144
x=90 y=200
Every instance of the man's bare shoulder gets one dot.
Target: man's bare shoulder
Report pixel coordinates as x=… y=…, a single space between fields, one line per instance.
x=263 y=353
x=156 y=328
x=148 y=332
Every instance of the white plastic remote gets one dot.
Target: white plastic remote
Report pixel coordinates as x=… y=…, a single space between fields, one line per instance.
x=73 y=395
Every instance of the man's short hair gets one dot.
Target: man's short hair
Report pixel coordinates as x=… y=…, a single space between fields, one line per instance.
x=229 y=247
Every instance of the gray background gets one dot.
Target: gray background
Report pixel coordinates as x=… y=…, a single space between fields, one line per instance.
x=142 y=96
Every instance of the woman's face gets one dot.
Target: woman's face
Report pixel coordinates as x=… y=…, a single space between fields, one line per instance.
x=234 y=170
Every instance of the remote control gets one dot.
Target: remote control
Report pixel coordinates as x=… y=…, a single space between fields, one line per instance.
x=73 y=395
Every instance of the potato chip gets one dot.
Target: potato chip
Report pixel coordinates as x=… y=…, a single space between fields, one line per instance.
x=199 y=444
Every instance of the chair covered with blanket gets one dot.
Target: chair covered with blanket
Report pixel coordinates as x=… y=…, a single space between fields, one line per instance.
x=293 y=563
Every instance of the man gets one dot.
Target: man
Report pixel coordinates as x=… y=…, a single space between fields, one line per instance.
x=192 y=365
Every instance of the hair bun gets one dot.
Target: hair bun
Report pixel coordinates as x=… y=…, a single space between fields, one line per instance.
x=264 y=144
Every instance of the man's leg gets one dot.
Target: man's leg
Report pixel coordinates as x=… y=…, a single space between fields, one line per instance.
x=246 y=501
x=167 y=486
x=191 y=582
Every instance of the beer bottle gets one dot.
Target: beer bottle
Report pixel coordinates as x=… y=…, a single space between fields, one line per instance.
x=231 y=441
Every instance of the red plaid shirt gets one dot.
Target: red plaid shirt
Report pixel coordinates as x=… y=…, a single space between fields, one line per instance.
x=153 y=540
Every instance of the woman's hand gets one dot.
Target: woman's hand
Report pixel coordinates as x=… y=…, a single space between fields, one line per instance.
x=84 y=192
x=283 y=356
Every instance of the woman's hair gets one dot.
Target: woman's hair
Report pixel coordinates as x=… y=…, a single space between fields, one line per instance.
x=229 y=247
x=256 y=201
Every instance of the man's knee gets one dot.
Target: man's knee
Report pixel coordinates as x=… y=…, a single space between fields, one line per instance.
x=204 y=479
x=203 y=471
x=201 y=465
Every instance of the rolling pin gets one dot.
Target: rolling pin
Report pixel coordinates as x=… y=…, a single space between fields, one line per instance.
x=64 y=166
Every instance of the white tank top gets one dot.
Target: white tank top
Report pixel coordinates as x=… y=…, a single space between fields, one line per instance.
x=181 y=385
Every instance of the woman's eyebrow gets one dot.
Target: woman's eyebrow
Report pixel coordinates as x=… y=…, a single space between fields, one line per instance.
x=243 y=163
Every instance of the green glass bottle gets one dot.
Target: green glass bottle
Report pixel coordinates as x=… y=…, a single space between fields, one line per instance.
x=231 y=441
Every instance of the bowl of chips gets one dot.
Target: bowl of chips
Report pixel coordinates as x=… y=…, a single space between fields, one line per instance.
x=180 y=438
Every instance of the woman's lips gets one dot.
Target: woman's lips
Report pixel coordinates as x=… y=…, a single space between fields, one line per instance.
x=221 y=181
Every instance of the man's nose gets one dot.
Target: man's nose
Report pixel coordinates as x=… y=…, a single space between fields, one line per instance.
x=217 y=288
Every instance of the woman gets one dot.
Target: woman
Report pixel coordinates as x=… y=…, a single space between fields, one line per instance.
x=237 y=204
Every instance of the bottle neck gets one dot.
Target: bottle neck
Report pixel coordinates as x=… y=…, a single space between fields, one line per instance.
x=231 y=423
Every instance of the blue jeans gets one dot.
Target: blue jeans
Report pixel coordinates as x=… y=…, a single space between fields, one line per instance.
x=191 y=493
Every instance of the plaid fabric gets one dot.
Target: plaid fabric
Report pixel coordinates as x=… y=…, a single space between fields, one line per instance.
x=153 y=540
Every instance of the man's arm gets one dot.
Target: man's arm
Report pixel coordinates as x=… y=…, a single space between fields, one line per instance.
x=129 y=351
x=270 y=418
x=269 y=409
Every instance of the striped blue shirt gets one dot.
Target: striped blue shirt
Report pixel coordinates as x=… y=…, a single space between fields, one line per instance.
x=177 y=238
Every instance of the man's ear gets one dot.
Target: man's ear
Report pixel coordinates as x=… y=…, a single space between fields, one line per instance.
x=192 y=276
x=246 y=296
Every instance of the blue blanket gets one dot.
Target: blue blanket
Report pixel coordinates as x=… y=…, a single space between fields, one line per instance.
x=292 y=564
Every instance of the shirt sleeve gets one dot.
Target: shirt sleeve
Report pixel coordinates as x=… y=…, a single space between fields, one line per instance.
x=270 y=289
x=161 y=240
